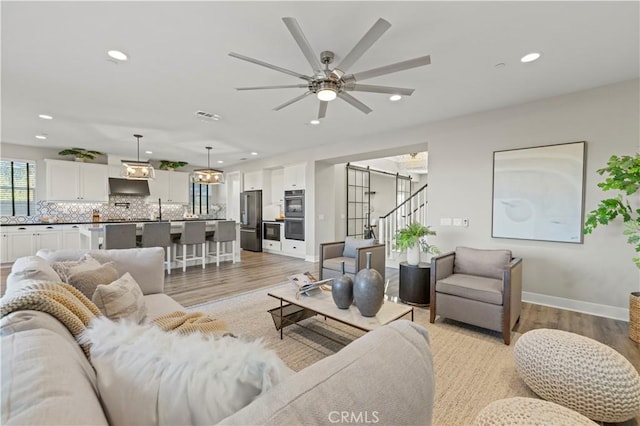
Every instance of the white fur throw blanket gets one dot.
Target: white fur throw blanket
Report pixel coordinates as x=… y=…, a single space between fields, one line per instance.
x=150 y=377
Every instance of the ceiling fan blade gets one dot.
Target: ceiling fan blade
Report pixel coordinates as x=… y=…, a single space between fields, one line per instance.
x=303 y=43
x=286 y=86
x=381 y=89
x=322 y=112
x=354 y=102
x=273 y=67
x=374 y=33
x=388 y=69
x=290 y=101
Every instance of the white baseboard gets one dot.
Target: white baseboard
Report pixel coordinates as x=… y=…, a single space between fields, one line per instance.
x=596 y=309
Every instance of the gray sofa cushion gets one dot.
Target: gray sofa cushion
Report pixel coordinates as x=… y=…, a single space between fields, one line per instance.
x=335 y=264
x=484 y=263
x=483 y=289
x=351 y=245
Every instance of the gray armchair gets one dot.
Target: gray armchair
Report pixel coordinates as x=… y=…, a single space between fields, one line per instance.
x=353 y=252
x=478 y=287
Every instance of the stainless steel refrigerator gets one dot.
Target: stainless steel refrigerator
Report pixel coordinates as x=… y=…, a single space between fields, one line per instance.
x=251 y=220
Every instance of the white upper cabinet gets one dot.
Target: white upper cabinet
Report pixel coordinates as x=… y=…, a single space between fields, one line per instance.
x=277 y=186
x=253 y=180
x=170 y=187
x=294 y=176
x=76 y=181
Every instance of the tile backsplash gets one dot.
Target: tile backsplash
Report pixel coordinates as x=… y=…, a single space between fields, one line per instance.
x=118 y=207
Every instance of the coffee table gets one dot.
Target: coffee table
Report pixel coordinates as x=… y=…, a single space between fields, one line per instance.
x=321 y=303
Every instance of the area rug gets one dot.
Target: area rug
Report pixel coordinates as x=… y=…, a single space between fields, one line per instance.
x=473 y=366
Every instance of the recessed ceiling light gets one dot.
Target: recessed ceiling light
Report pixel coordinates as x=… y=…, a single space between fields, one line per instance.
x=243 y=158
x=314 y=122
x=394 y=98
x=45 y=117
x=148 y=152
x=254 y=153
x=117 y=55
x=500 y=65
x=41 y=137
x=220 y=161
x=530 y=57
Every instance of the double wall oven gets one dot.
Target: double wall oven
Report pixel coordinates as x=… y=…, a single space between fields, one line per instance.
x=294 y=214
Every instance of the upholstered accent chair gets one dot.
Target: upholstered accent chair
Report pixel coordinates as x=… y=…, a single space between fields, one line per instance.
x=478 y=287
x=353 y=252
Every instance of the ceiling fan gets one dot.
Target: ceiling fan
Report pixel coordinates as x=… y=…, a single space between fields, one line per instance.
x=326 y=83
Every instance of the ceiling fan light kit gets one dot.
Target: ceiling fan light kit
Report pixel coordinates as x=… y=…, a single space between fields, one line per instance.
x=207 y=176
x=329 y=84
x=136 y=169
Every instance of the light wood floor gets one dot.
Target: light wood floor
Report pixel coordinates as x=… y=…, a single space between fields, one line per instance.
x=256 y=270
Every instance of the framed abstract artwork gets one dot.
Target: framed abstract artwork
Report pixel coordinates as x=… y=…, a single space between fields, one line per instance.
x=538 y=193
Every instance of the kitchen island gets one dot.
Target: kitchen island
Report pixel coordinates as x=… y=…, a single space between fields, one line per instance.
x=92 y=235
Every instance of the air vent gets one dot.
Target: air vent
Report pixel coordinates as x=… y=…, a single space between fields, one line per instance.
x=202 y=115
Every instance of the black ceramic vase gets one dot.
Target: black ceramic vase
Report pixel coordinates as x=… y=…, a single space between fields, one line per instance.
x=342 y=290
x=368 y=290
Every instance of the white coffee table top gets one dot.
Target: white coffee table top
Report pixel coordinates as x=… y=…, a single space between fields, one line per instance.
x=320 y=301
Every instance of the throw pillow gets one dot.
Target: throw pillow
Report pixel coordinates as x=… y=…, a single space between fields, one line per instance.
x=30 y=268
x=147 y=376
x=88 y=281
x=69 y=267
x=122 y=299
x=351 y=244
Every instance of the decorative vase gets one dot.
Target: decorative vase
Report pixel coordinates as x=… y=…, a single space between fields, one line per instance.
x=342 y=290
x=368 y=290
x=413 y=255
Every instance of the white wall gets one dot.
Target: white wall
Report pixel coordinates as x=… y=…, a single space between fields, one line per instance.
x=600 y=271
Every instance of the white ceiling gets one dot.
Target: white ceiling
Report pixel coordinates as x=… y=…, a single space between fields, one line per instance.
x=54 y=62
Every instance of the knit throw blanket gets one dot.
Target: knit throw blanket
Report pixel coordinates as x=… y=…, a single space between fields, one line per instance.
x=185 y=323
x=60 y=300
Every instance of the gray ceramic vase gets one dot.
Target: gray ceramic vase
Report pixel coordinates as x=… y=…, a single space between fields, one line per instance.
x=342 y=290
x=368 y=290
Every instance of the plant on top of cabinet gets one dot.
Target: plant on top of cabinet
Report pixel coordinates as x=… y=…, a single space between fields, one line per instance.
x=171 y=165
x=81 y=154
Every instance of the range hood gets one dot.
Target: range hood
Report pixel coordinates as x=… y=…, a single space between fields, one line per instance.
x=119 y=186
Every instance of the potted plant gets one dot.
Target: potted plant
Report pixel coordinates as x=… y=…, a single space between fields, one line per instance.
x=171 y=165
x=623 y=176
x=412 y=239
x=81 y=154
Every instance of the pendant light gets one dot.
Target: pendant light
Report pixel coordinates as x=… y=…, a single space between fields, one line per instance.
x=208 y=175
x=142 y=170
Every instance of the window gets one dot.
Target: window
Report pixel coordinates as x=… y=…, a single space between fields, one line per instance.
x=17 y=188
x=199 y=195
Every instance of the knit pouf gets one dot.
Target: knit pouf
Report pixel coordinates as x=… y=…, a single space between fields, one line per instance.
x=530 y=412
x=579 y=373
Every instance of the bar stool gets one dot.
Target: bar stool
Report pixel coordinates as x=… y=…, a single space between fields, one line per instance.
x=119 y=236
x=225 y=232
x=193 y=233
x=157 y=234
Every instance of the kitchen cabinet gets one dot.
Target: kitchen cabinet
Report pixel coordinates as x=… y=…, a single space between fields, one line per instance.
x=271 y=246
x=294 y=248
x=170 y=187
x=27 y=240
x=76 y=181
x=277 y=186
x=71 y=237
x=294 y=176
x=4 y=247
x=253 y=180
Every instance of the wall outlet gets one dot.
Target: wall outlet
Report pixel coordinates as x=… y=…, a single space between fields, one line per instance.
x=320 y=217
x=457 y=221
x=465 y=222
x=445 y=221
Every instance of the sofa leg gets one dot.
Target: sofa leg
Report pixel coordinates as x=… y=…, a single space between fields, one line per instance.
x=432 y=314
x=506 y=335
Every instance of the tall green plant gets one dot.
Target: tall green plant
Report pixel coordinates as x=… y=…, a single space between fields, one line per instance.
x=623 y=175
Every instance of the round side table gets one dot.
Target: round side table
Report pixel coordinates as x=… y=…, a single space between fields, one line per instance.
x=414 y=285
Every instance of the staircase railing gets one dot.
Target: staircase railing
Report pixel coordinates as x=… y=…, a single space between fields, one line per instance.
x=413 y=209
